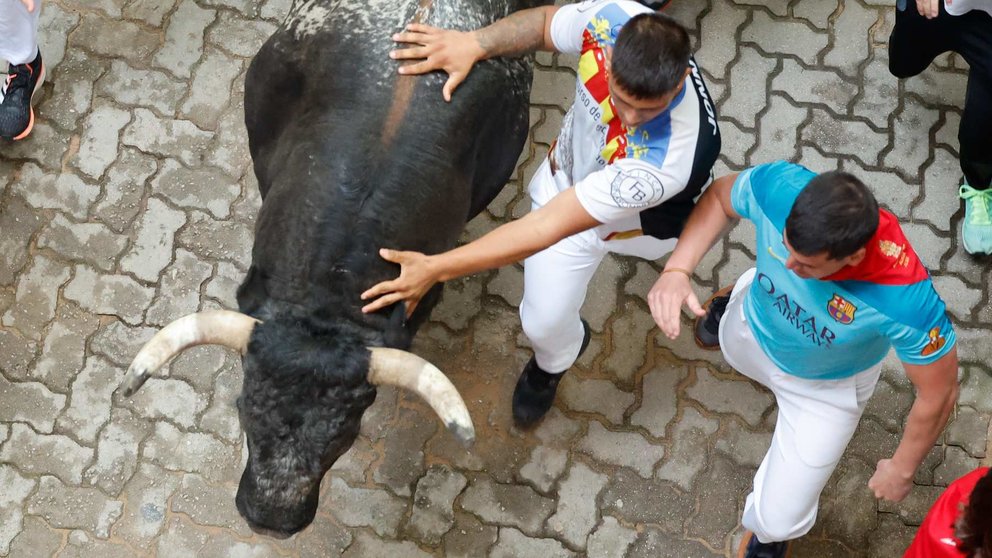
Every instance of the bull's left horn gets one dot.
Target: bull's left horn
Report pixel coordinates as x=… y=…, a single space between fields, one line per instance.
x=407 y=370
x=212 y=327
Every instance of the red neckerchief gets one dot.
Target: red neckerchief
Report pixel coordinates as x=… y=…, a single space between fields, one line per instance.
x=889 y=259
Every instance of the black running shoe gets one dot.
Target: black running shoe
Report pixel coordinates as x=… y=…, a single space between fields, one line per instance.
x=707 y=329
x=535 y=391
x=751 y=547
x=16 y=94
x=656 y=4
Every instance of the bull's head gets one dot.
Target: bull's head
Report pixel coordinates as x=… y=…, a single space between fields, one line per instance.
x=301 y=403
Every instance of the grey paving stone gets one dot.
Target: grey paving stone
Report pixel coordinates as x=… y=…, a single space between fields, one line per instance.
x=844 y=137
x=119 y=342
x=4 y=433
x=852 y=40
x=92 y=242
x=37 y=539
x=717 y=38
x=742 y=445
x=660 y=402
x=208 y=504
x=200 y=188
x=367 y=545
x=816 y=12
x=879 y=91
x=151 y=12
x=738 y=261
x=783 y=37
x=927 y=245
x=31 y=403
x=223 y=285
x=184 y=36
x=816 y=87
x=719 y=395
x=117 y=452
x=553 y=87
x=46 y=148
x=625 y=449
x=631 y=332
x=166 y=137
x=433 y=514
x=848 y=511
x=137 y=87
x=974 y=389
x=57 y=22
x=959 y=297
x=891 y=191
x=363 y=507
x=956 y=464
x=513 y=543
x=180 y=539
x=459 y=303
x=41 y=190
x=688 y=450
x=968 y=429
x=14 y=490
x=911 y=132
x=179 y=289
x=114 y=38
x=152 y=249
x=210 y=239
x=610 y=539
x=67 y=507
x=973 y=344
x=547 y=131
x=240 y=37
x=872 y=441
x=124 y=189
x=89 y=405
x=941 y=180
x=324 y=537
x=146 y=505
x=72 y=92
x=221 y=418
x=654 y=543
x=18 y=353
x=507 y=505
x=891 y=538
x=469 y=537
x=274 y=9
x=191 y=452
x=403 y=449
x=546 y=465
x=595 y=396
x=578 y=511
x=938 y=87
x=914 y=508
x=211 y=88
x=601 y=300
x=722 y=488
x=889 y=405
x=35 y=299
x=99 y=144
x=557 y=430
x=19 y=223
x=168 y=399
x=117 y=295
x=947 y=133
x=229 y=151
x=748 y=79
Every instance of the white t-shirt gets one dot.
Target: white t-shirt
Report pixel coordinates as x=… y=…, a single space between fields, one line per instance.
x=618 y=172
x=958 y=7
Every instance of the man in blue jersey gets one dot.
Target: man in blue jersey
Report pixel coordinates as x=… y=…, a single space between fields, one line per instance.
x=836 y=284
x=634 y=151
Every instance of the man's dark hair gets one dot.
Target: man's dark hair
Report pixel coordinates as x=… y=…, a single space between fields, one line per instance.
x=835 y=213
x=974 y=528
x=650 y=56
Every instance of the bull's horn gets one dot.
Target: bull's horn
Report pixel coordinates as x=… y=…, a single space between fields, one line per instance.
x=407 y=370
x=213 y=327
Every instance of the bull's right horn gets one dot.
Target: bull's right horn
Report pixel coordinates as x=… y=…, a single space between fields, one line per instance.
x=407 y=370
x=212 y=327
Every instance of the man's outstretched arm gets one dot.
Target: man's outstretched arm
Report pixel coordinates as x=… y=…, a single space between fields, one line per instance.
x=456 y=52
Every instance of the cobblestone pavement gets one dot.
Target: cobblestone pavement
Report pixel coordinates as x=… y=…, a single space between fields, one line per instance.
x=133 y=203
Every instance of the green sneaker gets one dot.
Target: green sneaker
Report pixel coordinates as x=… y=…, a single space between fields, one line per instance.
x=976 y=231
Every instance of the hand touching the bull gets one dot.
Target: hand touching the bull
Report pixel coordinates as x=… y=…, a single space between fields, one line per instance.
x=416 y=278
x=455 y=52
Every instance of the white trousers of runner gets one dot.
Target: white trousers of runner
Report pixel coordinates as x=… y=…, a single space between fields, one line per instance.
x=556 y=279
x=816 y=420
x=18 y=32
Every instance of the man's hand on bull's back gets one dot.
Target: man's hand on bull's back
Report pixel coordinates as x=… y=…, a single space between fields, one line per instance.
x=455 y=52
x=416 y=278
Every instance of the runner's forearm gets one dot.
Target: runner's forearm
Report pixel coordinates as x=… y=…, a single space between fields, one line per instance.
x=707 y=223
x=519 y=33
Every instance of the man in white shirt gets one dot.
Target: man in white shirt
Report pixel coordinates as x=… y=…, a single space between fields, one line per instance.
x=634 y=152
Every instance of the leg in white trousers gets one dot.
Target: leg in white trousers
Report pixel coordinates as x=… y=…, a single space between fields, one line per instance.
x=556 y=279
x=18 y=32
x=816 y=420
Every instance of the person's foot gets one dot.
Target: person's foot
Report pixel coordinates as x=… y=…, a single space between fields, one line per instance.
x=535 y=391
x=976 y=229
x=707 y=328
x=751 y=547
x=17 y=90
x=656 y=4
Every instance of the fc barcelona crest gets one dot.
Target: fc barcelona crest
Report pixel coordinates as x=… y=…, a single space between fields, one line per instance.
x=841 y=310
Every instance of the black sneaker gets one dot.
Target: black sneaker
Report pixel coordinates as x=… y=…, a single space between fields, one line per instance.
x=751 y=547
x=707 y=329
x=16 y=94
x=535 y=391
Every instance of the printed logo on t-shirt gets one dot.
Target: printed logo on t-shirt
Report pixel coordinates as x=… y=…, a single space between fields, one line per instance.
x=841 y=309
x=636 y=188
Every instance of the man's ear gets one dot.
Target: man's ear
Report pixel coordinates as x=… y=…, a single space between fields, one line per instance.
x=857 y=257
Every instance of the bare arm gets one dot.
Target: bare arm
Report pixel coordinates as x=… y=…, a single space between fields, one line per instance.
x=456 y=52
x=29 y=4
x=561 y=217
x=936 y=392
x=707 y=222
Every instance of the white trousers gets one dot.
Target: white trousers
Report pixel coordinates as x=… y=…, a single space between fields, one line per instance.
x=816 y=420
x=18 y=32
x=555 y=280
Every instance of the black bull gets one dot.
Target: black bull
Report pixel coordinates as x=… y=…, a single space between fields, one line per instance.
x=350 y=157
